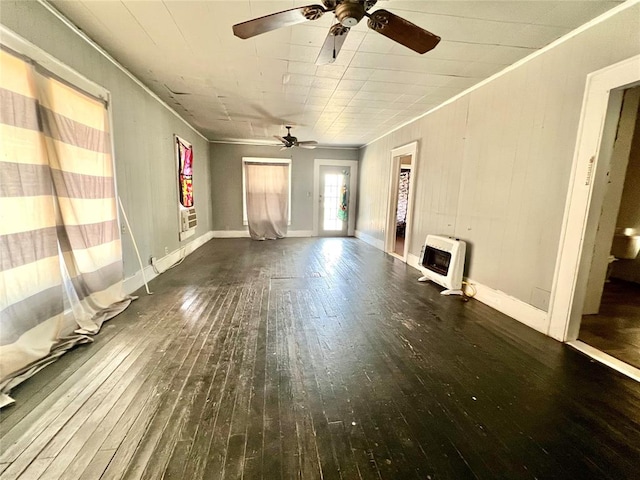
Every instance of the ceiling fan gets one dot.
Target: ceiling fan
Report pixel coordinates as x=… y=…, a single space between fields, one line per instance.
x=290 y=141
x=348 y=13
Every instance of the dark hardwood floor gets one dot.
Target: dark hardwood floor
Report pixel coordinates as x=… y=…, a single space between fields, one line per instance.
x=318 y=359
x=616 y=328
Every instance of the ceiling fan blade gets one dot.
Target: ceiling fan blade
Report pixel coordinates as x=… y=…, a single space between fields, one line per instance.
x=332 y=44
x=280 y=138
x=402 y=31
x=286 y=18
x=307 y=144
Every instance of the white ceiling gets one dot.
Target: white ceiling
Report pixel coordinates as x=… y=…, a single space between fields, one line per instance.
x=247 y=90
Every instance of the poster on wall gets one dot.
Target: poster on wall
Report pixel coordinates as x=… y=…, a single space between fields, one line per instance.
x=184 y=151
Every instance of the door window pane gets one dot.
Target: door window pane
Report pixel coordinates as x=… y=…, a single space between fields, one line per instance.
x=331 y=201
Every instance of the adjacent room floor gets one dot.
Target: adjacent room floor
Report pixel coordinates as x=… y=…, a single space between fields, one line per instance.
x=318 y=358
x=616 y=328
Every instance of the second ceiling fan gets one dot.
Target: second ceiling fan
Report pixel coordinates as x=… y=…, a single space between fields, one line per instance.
x=348 y=14
x=290 y=141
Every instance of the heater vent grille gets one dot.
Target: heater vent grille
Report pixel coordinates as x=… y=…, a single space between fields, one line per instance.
x=189 y=219
x=188 y=222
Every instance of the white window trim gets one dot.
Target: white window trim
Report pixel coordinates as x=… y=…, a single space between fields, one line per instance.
x=245 y=160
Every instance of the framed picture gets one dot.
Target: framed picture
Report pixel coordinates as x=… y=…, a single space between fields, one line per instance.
x=184 y=153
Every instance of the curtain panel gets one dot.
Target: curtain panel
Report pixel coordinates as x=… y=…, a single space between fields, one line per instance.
x=61 y=259
x=267 y=190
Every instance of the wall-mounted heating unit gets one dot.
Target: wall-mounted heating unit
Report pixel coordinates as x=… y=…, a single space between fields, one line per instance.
x=188 y=222
x=442 y=262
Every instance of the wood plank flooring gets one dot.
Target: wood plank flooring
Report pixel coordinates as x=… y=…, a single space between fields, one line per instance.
x=616 y=328
x=317 y=359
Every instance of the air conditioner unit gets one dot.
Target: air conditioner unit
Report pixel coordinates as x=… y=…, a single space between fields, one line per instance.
x=188 y=222
x=442 y=262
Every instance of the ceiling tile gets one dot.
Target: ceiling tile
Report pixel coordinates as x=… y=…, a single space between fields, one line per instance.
x=303 y=68
x=297 y=79
x=350 y=84
x=354 y=73
x=331 y=71
x=326 y=83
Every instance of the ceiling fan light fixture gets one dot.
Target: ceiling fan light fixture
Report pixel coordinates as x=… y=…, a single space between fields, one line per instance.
x=312 y=12
x=378 y=20
x=338 y=29
x=349 y=14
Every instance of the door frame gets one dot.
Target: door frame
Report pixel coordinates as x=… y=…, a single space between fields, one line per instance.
x=353 y=190
x=394 y=177
x=619 y=133
x=585 y=197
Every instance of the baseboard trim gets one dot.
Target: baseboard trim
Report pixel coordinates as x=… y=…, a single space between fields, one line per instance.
x=300 y=233
x=606 y=359
x=504 y=303
x=379 y=244
x=231 y=234
x=135 y=281
x=523 y=312
x=245 y=233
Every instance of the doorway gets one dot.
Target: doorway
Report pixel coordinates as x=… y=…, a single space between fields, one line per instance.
x=400 y=203
x=611 y=312
x=592 y=172
x=334 y=201
x=335 y=192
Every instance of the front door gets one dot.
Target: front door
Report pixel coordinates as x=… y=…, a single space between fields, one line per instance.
x=334 y=201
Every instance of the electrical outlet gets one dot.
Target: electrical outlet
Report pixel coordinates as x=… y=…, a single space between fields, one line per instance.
x=166 y=250
x=123 y=227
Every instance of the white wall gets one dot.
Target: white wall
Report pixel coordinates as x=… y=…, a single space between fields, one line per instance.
x=143 y=130
x=494 y=165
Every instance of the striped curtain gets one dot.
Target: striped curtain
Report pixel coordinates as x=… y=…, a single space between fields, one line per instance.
x=61 y=260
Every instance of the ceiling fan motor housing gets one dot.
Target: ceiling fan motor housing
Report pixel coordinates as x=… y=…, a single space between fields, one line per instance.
x=291 y=140
x=349 y=13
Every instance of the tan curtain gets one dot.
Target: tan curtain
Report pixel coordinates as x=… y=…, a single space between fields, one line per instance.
x=61 y=261
x=267 y=190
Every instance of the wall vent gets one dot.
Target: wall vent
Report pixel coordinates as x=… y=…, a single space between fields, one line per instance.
x=188 y=222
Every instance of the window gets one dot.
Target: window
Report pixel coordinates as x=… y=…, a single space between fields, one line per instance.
x=62 y=266
x=264 y=163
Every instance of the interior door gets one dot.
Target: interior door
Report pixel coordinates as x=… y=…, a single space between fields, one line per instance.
x=334 y=208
